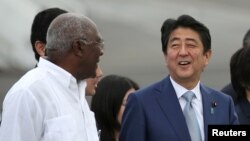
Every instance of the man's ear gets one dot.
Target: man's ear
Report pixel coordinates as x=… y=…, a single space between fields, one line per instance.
x=207 y=56
x=78 y=47
x=40 y=48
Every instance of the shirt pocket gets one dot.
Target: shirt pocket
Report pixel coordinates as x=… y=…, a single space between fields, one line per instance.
x=61 y=128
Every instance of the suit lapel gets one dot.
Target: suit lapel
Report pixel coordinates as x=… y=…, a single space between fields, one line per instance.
x=208 y=111
x=169 y=103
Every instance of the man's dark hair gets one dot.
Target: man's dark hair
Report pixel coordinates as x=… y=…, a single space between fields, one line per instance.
x=40 y=26
x=185 y=21
x=246 y=39
x=239 y=69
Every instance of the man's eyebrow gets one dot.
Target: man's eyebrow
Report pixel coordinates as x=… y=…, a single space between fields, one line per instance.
x=174 y=39
x=191 y=39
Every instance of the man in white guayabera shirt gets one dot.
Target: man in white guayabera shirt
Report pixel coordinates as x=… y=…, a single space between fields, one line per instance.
x=48 y=103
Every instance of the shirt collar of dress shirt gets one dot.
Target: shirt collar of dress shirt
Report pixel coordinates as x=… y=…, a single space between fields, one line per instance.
x=180 y=90
x=67 y=78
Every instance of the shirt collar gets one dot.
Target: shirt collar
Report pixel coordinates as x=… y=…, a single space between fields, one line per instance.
x=180 y=90
x=66 y=78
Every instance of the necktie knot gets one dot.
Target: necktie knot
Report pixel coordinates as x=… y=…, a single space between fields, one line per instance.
x=188 y=96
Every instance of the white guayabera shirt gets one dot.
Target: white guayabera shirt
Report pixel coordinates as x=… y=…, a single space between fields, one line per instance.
x=47 y=104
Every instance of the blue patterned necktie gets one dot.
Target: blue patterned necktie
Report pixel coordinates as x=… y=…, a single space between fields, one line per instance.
x=190 y=117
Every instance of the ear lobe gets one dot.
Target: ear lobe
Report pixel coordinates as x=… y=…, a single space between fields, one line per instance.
x=40 y=48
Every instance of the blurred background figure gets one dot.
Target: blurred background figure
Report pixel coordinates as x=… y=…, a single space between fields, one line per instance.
x=92 y=82
x=240 y=79
x=40 y=27
x=229 y=89
x=109 y=103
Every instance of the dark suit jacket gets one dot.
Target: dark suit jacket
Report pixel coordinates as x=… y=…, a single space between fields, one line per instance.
x=228 y=89
x=154 y=113
x=243 y=110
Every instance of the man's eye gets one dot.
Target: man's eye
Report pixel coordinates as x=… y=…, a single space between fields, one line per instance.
x=191 y=45
x=174 y=45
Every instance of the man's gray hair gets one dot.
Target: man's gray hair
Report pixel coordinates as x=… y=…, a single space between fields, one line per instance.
x=66 y=28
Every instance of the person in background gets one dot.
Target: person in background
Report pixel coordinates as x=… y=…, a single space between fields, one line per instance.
x=162 y=111
x=48 y=103
x=109 y=103
x=38 y=41
x=240 y=79
x=93 y=82
x=39 y=29
x=228 y=89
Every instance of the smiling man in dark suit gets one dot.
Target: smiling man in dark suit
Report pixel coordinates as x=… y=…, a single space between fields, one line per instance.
x=158 y=112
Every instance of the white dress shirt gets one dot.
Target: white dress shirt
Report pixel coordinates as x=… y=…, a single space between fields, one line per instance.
x=47 y=104
x=196 y=102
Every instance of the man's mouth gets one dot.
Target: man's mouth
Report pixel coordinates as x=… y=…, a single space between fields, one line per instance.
x=184 y=62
